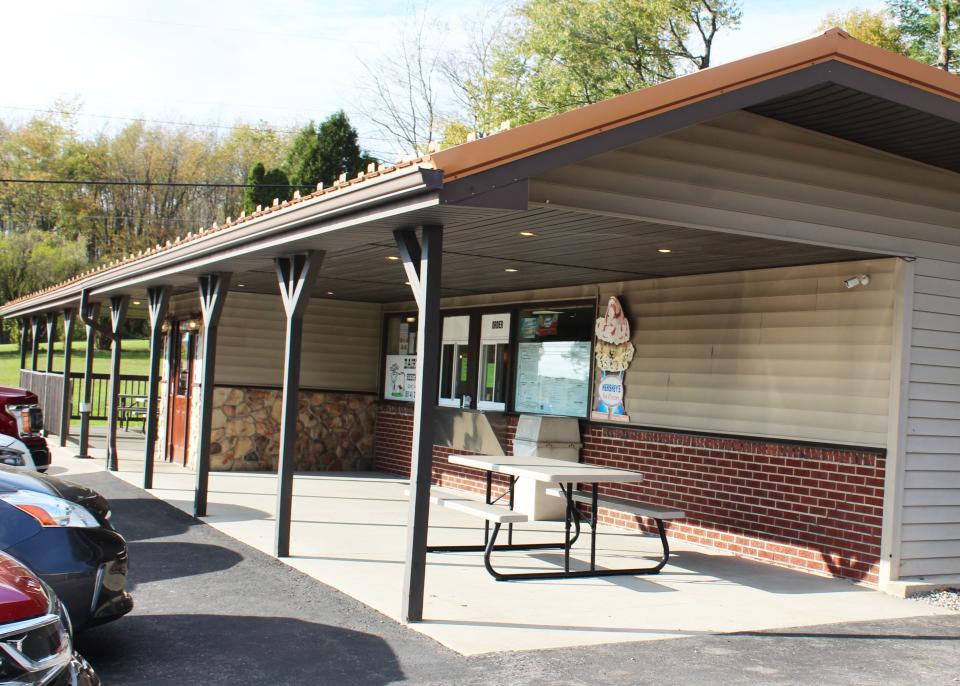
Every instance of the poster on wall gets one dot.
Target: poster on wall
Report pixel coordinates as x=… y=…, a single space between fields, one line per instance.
x=613 y=353
x=400 y=381
x=553 y=377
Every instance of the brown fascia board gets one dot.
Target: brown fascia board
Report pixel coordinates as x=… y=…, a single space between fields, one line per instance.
x=546 y=134
x=252 y=232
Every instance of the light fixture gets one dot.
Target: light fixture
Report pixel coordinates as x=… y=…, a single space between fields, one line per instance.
x=136 y=302
x=329 y=292
x=393 y=258
x=193 y=325
x=527 y=234
x=411 y=320
x=406 y=283
x=165 y=327
x=664 y=250
x=854 y=281
x=241 y=285
x=511 y=270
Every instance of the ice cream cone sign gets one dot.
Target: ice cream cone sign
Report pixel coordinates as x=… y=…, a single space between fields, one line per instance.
x=613 y=353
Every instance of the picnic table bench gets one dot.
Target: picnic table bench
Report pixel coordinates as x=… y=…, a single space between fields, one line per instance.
x=564 y=475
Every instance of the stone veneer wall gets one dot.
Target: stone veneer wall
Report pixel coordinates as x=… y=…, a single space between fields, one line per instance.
x=334 y=430
x=804 y=507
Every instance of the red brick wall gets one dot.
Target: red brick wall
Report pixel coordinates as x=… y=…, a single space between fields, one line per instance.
x=804 y=507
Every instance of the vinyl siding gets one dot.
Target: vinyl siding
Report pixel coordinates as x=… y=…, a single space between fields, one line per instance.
x=781 y=353
x=341 y=343
x=749 y=175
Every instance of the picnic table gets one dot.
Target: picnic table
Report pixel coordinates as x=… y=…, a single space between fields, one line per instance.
x=564 y=475
x=132 y=407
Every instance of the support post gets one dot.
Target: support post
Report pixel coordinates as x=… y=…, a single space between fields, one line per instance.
x=69 y=315
x=296 y=275
x=423 y=264
x=213 y=292
x=51 y=337
x=158 y=301
x=35 y=341
x=89 y=312
x=23 y=343
x=118 y=313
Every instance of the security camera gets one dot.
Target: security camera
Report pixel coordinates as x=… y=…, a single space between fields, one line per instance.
x=854 y=281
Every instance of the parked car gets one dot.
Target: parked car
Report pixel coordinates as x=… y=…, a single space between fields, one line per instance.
x=36 y=642
x=22 y=419
x=62 y=531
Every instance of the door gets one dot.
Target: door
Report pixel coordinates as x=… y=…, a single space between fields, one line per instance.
x=181 y=381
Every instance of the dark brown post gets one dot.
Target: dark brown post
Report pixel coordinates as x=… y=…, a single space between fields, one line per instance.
x=158 y=300
x=296 y=275
x=213 y=293
x=67 y=401
x=89 y=312
x=23 y=342
x=423 y=265
x=118 y=313
x=51 y=337
x=34 y=341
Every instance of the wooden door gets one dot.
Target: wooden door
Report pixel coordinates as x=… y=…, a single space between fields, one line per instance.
x=181 y=381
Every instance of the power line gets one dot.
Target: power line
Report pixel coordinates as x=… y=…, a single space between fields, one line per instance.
x=175 y=184
x=142 y=119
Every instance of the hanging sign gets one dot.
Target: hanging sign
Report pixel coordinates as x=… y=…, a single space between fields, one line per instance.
x=613 y=353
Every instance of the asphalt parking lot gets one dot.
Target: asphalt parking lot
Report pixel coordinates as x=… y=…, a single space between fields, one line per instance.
x=210 y=610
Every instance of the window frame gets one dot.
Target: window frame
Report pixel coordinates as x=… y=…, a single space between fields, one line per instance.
x=475 y=313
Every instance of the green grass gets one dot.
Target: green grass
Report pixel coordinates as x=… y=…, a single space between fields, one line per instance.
x=134 y=359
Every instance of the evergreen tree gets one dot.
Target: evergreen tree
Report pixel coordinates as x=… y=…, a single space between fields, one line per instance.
x=264 y=186
x=321 y=154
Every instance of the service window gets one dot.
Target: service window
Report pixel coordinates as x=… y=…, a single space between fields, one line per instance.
x=494 y=361
x=400 y=373
x=554 y=360
x=455 y=362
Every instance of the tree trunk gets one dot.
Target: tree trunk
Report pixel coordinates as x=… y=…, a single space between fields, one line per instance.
x=943 y=36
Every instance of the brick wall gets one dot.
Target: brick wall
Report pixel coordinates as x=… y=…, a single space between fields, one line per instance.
x=804 y=507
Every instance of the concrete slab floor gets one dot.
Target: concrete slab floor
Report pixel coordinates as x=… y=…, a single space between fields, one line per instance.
x=349 y=532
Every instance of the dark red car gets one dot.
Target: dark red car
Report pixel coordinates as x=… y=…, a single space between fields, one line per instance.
x=36 y=642
x=22 y=419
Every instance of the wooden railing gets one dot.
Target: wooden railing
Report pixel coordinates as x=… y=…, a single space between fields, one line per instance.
x=131 y=384
x=49 y=390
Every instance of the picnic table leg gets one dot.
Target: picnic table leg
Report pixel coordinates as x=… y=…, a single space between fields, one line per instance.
x=593 y=528
x=510 y=525
x=486 y=525
x=566 y=528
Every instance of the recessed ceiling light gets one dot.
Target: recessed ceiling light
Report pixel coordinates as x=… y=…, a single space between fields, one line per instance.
x=664 y=250
x=527 y=234
x=136 y=302
x=392 y=258
x=411 y=320
x=329 y=292
x=406 y=283
x=510 y=270
x=241 y=285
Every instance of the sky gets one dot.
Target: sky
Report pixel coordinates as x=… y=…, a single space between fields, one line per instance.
x=220 y=62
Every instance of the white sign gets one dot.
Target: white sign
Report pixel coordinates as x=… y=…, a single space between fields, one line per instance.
x=400 y=380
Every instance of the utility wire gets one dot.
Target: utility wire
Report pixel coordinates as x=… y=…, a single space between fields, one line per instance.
x=175 y=184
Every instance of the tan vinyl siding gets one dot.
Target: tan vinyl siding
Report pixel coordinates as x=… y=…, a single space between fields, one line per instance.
x=931 y=497
x=341 y=343
x=781 y=353
x=746 y=174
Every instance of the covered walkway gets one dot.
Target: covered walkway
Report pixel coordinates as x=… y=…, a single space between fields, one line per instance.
x=350 y=533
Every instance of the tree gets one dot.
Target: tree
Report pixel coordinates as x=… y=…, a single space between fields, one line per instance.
x=322 y=154
x=555 y=55
x=929 y=29
x=35 y=259
x=876 y=27
x=264 y=186
x=402 y=89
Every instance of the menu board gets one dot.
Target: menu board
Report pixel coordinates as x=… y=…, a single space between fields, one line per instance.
x=400 y=381
x=553 y=377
